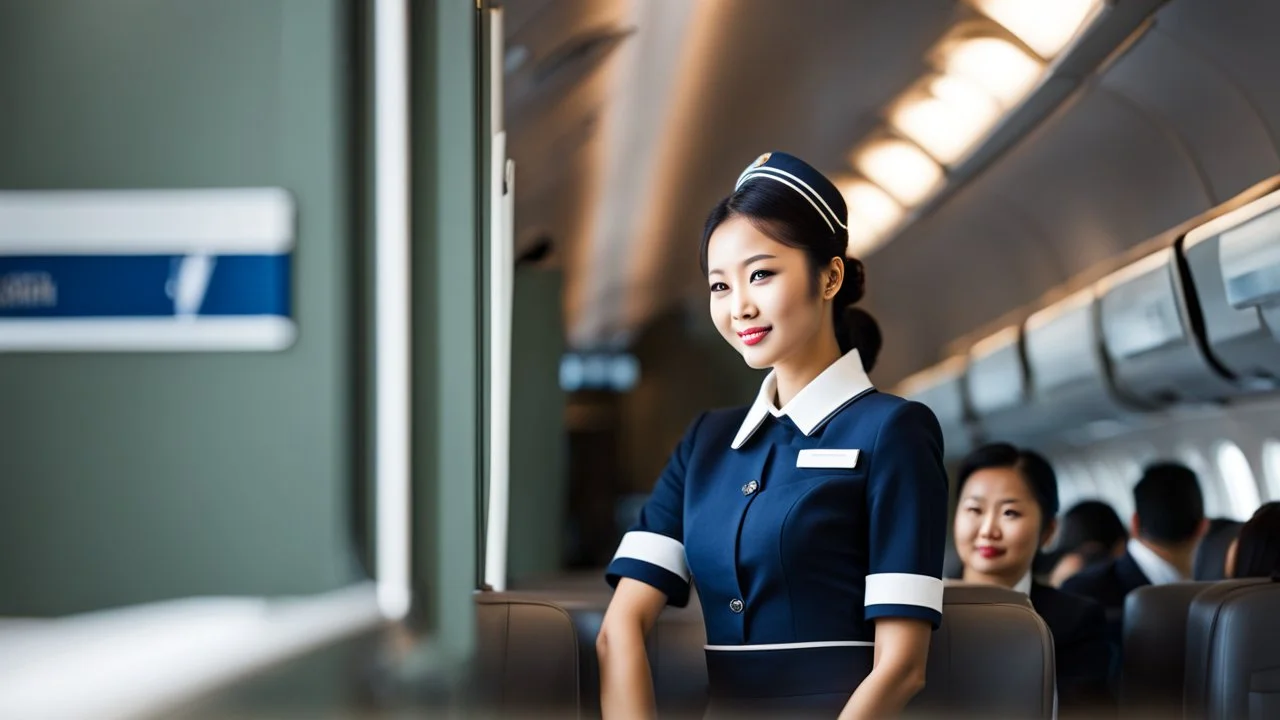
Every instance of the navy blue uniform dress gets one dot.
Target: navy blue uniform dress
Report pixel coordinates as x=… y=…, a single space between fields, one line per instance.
x=800 y=527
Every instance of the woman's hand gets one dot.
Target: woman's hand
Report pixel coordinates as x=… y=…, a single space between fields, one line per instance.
x=902 y=650
x=626 y=684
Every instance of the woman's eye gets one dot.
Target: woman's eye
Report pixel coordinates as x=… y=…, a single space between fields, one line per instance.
x=760 y=275
x=1012 y=513
x=973 y=510
x=719 y=287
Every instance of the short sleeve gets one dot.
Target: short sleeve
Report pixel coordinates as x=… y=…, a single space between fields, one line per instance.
x=907 y=502
x=652 y=551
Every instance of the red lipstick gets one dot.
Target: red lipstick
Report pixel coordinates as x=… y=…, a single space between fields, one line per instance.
x=751 y=336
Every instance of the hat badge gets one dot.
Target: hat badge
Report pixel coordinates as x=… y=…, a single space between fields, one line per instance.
x=761 y=160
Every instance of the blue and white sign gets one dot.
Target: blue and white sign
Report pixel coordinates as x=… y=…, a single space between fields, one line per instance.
x=146 y=270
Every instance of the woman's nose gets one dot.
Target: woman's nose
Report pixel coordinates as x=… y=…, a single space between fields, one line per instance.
x=743 y=308
x=989 y=527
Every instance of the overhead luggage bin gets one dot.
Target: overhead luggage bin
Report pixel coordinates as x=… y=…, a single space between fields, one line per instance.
x=941 y=388
x=1149 y=338
x=998 y=388
x=1234 y=262
x=1069 y=383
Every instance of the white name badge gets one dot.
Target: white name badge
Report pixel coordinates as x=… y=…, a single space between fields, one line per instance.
x=828 y=458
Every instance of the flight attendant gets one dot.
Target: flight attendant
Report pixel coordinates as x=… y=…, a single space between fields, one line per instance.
x=812 y=521
x=1006 y=502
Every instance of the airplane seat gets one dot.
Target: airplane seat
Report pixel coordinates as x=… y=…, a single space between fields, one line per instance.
x=1211 y=554
x=527 y=656
x=992 y=657
x=1153 y=667
x=1233 y=659
x=536 y=654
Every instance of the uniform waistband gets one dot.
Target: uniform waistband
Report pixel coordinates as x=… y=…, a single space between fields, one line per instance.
x=787 y=670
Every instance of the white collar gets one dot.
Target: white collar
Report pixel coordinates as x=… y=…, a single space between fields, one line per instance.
x=816 y=402
x=1024 y=585
x=1158 y=570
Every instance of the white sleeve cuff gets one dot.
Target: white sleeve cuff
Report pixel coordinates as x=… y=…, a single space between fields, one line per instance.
x=667 y=553
x=904 y=589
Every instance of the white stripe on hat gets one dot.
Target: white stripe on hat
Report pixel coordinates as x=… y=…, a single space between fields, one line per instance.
x=766 y=169
x=824 y=216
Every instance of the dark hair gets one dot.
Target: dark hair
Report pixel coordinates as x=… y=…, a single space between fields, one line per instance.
x=1258 y=548
x=1090 y=523
x=787 y=217
x=1168 y=502
x=1034 y=469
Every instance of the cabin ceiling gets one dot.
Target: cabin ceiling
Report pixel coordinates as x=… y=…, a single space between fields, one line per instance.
x=627 y=120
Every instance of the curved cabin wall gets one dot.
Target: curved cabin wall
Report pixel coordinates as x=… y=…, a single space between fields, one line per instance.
x=1184 y=119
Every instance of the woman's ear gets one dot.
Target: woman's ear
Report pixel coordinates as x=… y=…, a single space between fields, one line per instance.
x=832 y=278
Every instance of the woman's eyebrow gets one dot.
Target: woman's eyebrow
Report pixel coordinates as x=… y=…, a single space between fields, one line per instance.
x=748 y=261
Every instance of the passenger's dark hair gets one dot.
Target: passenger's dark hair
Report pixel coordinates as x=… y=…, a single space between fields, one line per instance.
x=1169 y=503
x=787 y=217
x=1034 y=469
x=1258 y=547
x=1090 y=523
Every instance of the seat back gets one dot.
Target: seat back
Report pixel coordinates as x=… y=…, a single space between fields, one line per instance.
x=1233 y=657
x=536 y=654
x=1154 y=643
x=991 y=658
x=527 y=658
x=1210 y=561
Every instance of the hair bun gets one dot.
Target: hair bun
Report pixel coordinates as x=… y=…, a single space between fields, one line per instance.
x=855 y=281
x=861 y=332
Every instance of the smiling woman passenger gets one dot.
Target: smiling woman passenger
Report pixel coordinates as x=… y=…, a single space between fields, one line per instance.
x=1007 y=500
x=814 y=520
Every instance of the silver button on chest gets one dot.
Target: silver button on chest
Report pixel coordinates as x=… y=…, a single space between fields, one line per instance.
x=736 y=605
x=750 y=487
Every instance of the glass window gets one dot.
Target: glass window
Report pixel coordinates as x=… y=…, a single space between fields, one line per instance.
x=1271 y=462
x=1237 y=476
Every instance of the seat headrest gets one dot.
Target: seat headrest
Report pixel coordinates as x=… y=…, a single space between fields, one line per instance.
x=960 y=593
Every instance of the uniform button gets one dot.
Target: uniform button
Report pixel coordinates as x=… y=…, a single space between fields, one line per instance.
x=750 y=487
x=735 y=605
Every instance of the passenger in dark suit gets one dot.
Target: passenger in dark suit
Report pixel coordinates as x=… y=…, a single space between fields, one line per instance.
x=1005 y=512
x=1089 y=533
x=1167 y=524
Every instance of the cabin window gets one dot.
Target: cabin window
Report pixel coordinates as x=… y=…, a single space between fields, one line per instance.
x=1237 y=477
x=1271 y=462
x=1215 y=505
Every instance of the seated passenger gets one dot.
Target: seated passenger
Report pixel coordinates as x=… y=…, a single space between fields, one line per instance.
x=1167 y=524
x=1089 y=533
x=1256 y=552
x=1007 y=499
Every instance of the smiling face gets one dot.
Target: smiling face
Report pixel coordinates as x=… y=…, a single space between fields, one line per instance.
x=997 y=526
x=762 y=295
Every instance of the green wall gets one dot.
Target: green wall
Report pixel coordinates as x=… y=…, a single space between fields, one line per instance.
x=136 y=477
x=539 y=479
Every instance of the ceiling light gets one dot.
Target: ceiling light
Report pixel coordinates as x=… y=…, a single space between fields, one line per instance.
x=1046 y=26
x=997 y=66
x=947 y=117
x=902 y=169
x=872 y=214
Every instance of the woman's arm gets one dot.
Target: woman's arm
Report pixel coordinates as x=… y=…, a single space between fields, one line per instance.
x=902 y=649
x=626 y=685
